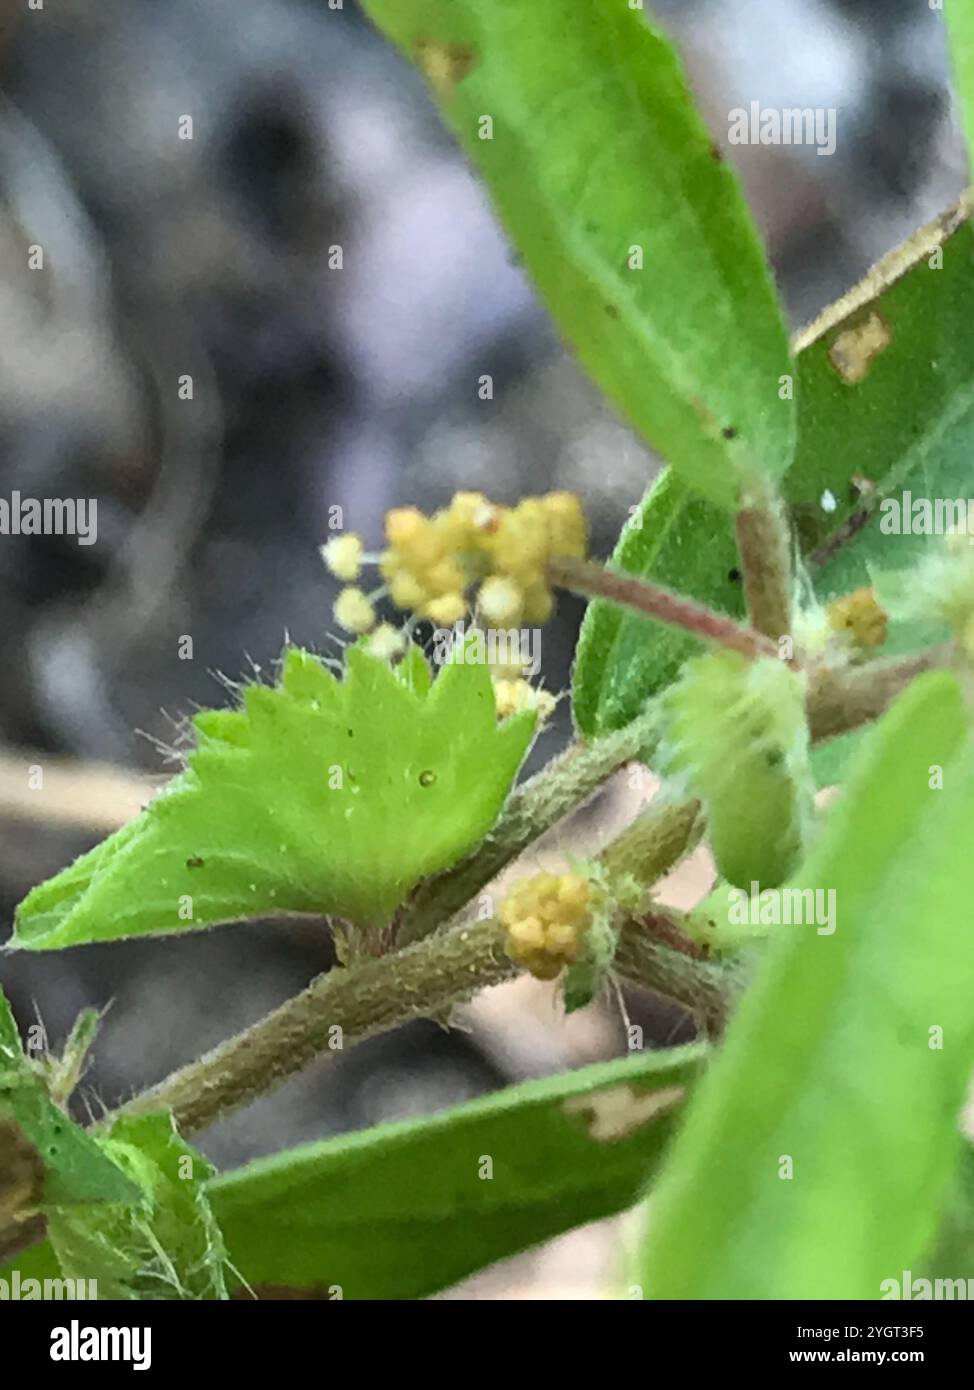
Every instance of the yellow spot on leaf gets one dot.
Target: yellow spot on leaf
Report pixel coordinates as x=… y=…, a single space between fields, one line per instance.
x=854 y=351
x=621 y=1110
x=444 y=64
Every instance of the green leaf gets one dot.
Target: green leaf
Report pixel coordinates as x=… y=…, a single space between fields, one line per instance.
x=165 y=1245
x=905 y=422
x=960 y=27
x=830 y=1063
x=76 y=1169
x=406 y=1209
x=596 y=149
x=316 y=796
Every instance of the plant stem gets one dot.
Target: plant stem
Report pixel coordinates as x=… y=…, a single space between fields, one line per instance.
x=762 y=540
x=709 y=989
x=840 y=701
x=425 y=979
x=655 y=841
x=651 y=600
x=344 y=1006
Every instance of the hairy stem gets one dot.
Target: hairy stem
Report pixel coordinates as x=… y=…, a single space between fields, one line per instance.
x=655 y=841
x=709 y=989
x=595 y=581
x=426 y=978
x=762 y=541
x=344 y=1006
x=840 y=701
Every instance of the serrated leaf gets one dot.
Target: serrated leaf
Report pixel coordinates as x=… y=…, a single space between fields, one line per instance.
x=166 y=1244
x=406 y=1209
x=895 y=417
x=596 y=149
x=76 y=1169
x=316 y=796
x=830 y=1063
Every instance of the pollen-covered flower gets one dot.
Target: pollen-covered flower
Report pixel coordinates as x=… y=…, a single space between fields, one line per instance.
x=433 y=564
x=343 y=557
x=860 y=617
x=386 y=642
x=546 y=919
x=513 y=696
x=445 y=610
x=500 y=601
x=354 y=612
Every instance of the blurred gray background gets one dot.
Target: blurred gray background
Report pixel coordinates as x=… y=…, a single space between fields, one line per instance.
x=317 y=387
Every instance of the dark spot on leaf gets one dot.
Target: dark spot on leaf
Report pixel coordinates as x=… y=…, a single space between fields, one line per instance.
x=612 y=311
x=194 y=862
x=729 y=432
x=734 y=576
x=427 y=778
x=716 y=153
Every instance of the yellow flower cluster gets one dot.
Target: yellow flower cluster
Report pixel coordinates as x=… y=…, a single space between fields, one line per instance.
x=546 y=918
x=859 y=616
x=513 y=696
x=431 y=563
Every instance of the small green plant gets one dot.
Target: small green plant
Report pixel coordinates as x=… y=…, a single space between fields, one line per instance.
x=763 y=627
